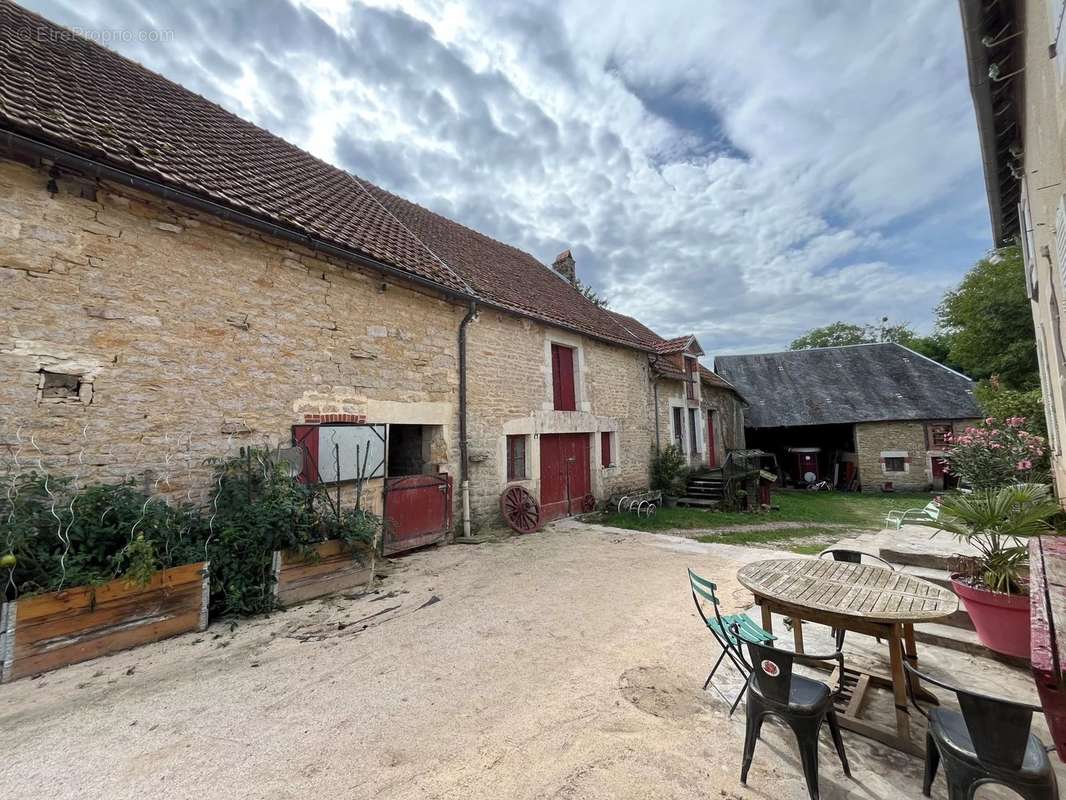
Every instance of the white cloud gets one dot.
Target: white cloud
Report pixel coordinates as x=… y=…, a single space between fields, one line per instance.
x=744 y=171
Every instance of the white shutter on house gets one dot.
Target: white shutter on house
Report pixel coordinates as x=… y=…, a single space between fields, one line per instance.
x=1045 y=386
x=1060 y=236
x=1028 y=242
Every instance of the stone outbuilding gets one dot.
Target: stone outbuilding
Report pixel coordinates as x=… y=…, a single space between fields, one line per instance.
x=875 y=416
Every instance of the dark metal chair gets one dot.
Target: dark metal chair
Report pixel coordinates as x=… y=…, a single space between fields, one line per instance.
x=988 y=742
x=850 y=557
x=721 y=628
x=800 y=702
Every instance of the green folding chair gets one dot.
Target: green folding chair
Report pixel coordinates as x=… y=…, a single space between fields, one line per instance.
x=721 y=627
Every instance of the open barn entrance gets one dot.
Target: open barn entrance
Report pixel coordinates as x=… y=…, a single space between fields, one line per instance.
x=810 y=453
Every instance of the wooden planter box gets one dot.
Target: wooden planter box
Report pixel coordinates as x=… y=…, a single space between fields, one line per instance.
x=48 y=631
x=298 y=578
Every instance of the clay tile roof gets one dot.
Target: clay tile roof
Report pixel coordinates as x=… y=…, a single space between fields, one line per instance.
x=506 y=276
x=854 y=383
x=714 y=379
x=76 y=95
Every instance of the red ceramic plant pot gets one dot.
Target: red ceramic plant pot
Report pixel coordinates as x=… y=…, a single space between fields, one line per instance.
x=1001 y=620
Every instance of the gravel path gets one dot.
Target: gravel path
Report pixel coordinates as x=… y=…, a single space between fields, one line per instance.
x=565 y=664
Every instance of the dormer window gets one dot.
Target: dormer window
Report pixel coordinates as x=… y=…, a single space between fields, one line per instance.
x=692 y=377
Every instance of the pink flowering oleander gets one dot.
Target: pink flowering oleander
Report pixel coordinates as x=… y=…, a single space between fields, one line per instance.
x=991 y=455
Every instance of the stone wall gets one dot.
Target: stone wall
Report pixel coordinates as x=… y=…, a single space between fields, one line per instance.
x=510 y=393
x=193 y=337
x=903 y=439
x=728 y=418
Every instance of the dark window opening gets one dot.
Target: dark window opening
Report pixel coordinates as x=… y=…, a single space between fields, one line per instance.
x=563 y=393
x=693 y=431
x=895 y=464
x=691 y=377
x=605 y=449
x=939 y=437
x=516 y=458
x=54 y=386
x=679 y=428
x=406 y=453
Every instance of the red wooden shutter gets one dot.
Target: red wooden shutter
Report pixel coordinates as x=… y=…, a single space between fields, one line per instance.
x=306 y=438
x=563 y=378
x=605 y=449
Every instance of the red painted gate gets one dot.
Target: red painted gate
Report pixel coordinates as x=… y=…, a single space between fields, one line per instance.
x=564 y=474
x=418 y=511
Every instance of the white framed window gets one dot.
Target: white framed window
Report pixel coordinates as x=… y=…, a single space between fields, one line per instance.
x=895 y=462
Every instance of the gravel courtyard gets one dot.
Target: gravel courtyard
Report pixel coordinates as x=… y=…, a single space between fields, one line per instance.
x=565 y=664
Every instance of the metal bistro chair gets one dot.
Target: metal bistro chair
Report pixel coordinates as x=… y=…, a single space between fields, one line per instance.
x=989 y=742
x=721 y=628
x=800 y=702
x=850 y=557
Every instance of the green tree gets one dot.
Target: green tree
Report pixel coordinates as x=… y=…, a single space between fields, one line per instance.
x=1001 y=403
x=836 y=334
x=988 y=322
x=590 y=293
x=842 y=333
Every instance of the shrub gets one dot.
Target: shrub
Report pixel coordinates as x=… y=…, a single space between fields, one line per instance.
x=667 y=467
x=995 y=522
x=62 y=536
x=990 y=456
x=55 y=535
x=1001 y=404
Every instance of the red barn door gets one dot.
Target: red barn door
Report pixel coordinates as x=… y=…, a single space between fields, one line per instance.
x=564 y=473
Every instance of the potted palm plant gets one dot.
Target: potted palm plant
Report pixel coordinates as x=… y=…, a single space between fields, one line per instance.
x=996 y=522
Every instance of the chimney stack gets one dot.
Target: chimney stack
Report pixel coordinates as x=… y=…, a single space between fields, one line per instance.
x=566 y=266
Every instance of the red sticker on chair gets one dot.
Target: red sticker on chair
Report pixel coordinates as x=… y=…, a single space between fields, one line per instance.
x=770 y=668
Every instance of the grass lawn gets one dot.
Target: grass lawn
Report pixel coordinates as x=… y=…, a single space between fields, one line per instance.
x=812 y=510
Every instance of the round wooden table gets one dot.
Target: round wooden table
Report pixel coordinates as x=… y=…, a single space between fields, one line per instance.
x=857 y=597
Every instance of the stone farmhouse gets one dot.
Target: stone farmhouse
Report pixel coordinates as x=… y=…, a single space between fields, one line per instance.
x=179 y=283
x=875 y=416
x=695 y=410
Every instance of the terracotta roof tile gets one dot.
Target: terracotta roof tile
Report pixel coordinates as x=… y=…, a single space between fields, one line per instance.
x=75 y=94
x=506 y=276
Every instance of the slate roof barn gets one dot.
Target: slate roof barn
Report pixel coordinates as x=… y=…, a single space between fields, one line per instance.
x=875 y=416
x=856 y=383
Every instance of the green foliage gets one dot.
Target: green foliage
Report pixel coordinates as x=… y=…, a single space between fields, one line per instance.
x=259 y=507
x=989 y=324
x=590 y=293
x=992 y=455
x=1001 y=404
x=62 y=536
x=839 y=334
x=995 y=521
x=836 y=334
x=54 y=535
x=667 y=468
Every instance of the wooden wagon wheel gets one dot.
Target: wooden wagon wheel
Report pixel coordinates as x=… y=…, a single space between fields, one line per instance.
x=520 y=509
x=588 y=503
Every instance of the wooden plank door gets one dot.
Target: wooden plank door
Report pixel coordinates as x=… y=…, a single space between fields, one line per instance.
x=712 y=453
x=418 y=511
x=565 y=477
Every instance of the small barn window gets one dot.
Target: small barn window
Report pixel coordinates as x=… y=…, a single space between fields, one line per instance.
x=516 y=458
x=63 y=387
x=895 y=464
x=939 y=437
x=605 y=449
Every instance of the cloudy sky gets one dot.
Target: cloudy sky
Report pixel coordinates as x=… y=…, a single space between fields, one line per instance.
x=742 y=170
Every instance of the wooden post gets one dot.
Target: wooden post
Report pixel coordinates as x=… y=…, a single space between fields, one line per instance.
x=899 y=686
